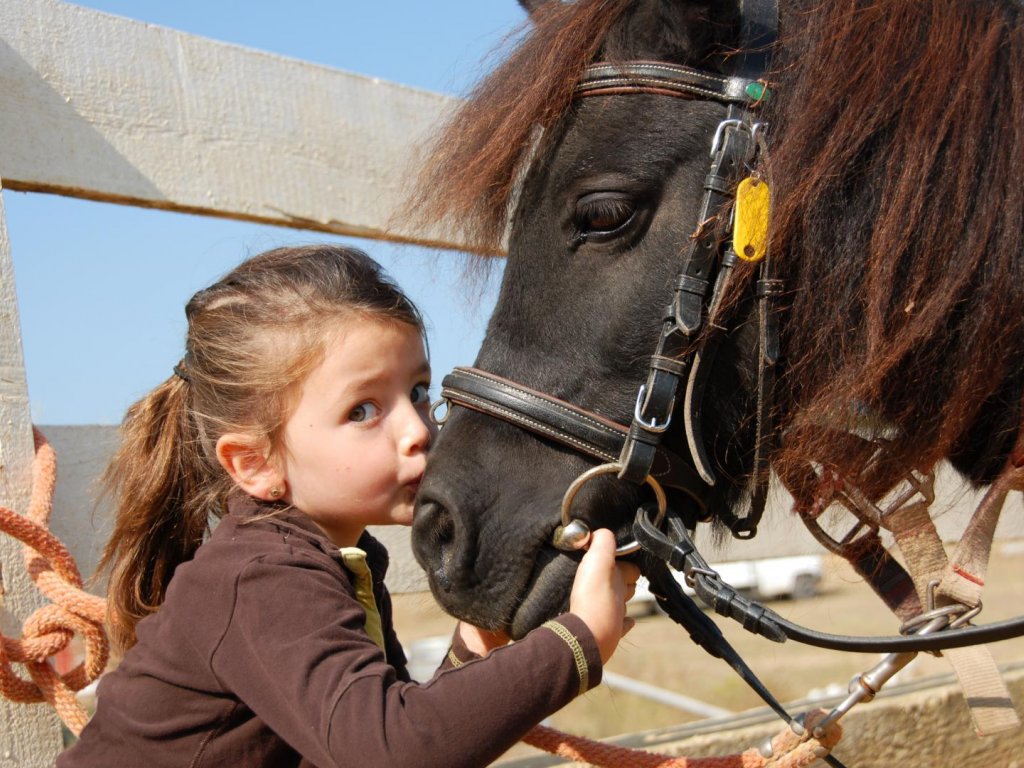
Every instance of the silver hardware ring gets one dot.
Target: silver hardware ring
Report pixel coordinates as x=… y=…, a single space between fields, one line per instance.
x=439 y=421
x=573 y=534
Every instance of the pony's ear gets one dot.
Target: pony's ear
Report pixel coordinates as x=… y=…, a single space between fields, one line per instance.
x=531 y=6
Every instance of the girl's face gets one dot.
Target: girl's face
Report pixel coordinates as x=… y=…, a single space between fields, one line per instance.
x=355 y=446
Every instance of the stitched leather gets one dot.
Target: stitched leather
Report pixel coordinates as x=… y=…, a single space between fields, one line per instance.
x=674 y=79
x=564 y=423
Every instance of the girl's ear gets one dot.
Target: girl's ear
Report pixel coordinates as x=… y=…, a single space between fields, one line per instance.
x=248 y=463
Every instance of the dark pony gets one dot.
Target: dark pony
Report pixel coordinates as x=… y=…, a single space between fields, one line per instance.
x=896 y=157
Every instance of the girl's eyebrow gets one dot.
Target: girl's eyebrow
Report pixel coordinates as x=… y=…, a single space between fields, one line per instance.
x=358 y=384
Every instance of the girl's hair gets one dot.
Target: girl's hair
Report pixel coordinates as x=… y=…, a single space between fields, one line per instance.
x=252 y=338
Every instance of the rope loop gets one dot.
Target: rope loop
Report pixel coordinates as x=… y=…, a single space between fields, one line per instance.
x=787 y=749
x=72 y=611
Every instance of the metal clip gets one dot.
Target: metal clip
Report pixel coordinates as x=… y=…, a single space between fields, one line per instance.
x=691 y=574
x=865 y=686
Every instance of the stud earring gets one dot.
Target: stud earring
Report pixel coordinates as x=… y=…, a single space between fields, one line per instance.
x=276 y=493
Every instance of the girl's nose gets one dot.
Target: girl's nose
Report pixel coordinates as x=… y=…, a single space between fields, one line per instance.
x=417 y=430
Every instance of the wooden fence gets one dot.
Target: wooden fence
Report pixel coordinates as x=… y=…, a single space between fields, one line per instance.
x=105 y=108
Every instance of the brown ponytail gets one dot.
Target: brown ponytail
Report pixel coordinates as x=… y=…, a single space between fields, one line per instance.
x=252 y=338
x=155 y=478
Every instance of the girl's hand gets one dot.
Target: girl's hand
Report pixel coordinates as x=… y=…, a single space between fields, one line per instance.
x=600 y=591
x=481 y=641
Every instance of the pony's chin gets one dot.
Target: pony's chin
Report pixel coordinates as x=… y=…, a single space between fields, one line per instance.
x=547 y=594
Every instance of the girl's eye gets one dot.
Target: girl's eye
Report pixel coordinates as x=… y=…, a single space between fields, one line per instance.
x=420 y=394
x=363 y=412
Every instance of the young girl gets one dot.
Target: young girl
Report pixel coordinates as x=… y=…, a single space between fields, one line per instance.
x=299 y=416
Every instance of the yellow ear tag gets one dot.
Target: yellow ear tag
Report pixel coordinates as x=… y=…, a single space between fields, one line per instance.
x=750 y=227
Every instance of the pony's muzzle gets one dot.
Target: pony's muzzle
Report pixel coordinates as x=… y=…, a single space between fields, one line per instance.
x=434 y=541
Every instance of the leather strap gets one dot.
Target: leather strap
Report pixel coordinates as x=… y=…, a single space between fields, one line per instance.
x=563 y=422
x=670 y=79
x=681 y=554
x=985 y=692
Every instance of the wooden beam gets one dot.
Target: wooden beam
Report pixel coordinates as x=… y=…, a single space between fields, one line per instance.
x=108 y=108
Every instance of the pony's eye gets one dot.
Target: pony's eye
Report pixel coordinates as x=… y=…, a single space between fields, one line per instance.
x=603 y=213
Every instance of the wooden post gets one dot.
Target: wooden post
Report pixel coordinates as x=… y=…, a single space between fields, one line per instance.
x=30 y=734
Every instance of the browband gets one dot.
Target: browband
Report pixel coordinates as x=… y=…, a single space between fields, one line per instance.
x=672 y=79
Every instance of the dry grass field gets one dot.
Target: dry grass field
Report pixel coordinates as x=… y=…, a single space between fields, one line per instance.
x=660 y=653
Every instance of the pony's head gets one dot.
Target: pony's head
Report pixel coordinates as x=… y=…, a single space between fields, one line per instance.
x=602 y=198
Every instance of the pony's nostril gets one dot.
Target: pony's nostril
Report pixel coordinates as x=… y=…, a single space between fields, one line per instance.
x=434 y=533
x=434 y=522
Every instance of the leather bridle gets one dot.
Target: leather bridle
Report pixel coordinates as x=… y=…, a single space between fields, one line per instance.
x=683 y=353
x=678 y=369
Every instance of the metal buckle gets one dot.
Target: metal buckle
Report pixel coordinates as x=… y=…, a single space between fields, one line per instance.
x=755 y=130
x=652 y=425
x=720 y=130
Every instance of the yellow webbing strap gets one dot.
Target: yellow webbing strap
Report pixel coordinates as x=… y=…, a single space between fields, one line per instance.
x=355 y=560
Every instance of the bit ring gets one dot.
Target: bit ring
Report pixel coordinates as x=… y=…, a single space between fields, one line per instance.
x=607 y=469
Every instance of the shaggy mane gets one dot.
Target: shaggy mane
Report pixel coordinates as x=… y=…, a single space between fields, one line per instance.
x=898 y=156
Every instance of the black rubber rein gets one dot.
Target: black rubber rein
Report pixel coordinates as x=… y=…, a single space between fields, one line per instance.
x=683 y=556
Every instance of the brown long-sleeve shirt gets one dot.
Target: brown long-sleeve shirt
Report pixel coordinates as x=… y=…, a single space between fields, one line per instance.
x=260 y=656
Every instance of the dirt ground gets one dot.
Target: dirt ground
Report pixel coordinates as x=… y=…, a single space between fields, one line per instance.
x=658 y=652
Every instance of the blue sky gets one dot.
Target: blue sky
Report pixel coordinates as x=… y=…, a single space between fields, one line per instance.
x=101 y=288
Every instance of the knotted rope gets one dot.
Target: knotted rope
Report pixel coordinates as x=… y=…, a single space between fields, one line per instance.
x=72 y=610
x=788 y=750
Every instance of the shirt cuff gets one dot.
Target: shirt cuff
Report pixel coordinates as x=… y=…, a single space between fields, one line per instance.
x=576 y=635
x=458 y=654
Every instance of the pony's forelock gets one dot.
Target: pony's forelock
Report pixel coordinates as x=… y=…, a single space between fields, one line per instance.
x=469 y=178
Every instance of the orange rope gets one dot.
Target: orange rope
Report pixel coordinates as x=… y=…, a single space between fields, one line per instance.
x=72 y=610
x=789 y=750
